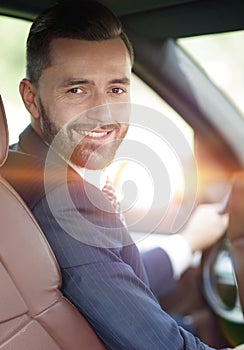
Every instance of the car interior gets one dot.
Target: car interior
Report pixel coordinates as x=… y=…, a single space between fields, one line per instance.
x=33 y=312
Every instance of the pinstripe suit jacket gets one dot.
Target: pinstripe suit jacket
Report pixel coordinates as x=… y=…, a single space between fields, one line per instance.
x=111 y=284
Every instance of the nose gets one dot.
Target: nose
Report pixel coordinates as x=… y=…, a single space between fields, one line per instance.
x=100 y=110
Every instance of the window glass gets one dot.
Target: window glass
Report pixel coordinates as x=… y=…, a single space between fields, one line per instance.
x=221 y=56
x=131 y=172
x=13 y=33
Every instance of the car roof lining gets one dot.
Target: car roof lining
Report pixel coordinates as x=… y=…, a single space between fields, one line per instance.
x=188 y=19
x=168 y=18
x=120 y=8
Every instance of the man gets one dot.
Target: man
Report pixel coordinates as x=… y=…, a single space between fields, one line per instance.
x=77 y=92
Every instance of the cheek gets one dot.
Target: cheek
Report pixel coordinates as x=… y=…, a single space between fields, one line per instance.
x=62 y=114
x=123 y=130
x=58 y=110
x=121 y=112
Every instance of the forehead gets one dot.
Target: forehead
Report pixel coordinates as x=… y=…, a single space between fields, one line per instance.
x=89 y=54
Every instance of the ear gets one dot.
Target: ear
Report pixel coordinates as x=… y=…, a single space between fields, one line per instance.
x=28 y=93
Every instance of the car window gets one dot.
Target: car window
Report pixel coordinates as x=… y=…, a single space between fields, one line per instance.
x=221 y=57
x=132 y=172
x=13 y=34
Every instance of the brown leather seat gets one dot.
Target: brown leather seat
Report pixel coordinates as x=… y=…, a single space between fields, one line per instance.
x=236 y=231
x=34 y=315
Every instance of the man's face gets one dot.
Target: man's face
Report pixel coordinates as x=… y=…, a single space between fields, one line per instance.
x=83 y=97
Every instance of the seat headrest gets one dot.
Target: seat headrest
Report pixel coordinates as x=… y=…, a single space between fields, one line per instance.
x=3 y=134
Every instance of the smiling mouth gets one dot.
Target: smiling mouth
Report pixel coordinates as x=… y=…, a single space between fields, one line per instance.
x=94 y=134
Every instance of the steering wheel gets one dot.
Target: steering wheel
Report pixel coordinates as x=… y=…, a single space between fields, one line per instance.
x=223 y=269
x=236 y=231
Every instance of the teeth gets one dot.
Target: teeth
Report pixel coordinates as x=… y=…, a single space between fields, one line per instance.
x=93 y=133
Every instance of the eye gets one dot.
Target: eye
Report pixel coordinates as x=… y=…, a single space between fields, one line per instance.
x=117 y=91
x=76 y=90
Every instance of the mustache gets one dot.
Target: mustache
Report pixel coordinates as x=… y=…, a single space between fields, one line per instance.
x=91 y=127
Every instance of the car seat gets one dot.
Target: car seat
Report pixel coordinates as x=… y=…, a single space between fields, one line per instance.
x=34 y=315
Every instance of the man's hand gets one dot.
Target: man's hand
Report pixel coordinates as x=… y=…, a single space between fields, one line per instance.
x=205 y=227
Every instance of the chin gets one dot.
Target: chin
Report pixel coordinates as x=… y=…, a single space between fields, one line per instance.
x=94 y=162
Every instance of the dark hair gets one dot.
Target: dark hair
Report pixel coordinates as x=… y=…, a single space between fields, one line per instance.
x=77 y=19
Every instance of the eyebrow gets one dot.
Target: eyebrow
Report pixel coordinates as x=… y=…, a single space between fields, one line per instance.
x=74 y=81
x=124 y=81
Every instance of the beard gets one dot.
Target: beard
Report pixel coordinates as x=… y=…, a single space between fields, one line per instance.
x=78 y=149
